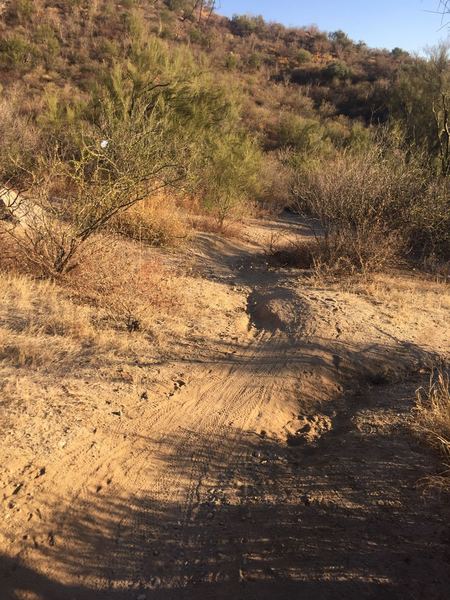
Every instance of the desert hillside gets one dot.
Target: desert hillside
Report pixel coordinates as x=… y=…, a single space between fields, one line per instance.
x=224 y=308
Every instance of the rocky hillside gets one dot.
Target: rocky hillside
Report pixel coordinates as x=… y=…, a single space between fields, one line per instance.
x=49 y=48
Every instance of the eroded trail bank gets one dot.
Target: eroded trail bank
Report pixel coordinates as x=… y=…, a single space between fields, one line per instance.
x=273 y=460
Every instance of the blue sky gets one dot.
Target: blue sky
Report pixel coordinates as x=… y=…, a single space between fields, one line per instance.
x=379 y=23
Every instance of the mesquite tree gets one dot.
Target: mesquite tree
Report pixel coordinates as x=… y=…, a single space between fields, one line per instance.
x=200 y=8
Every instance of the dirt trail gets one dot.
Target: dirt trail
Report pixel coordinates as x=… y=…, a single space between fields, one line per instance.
x=283 y=468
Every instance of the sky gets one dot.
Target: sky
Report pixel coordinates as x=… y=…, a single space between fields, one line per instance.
x=380 y=23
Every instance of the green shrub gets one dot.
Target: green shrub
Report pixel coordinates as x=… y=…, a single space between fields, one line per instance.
x=231 y=175
x=21 y=141
x=232 y=61
x=244 y=25
x=108 y=50
x=255 y=60
x=399 y=53
x=16 y=52
x=340 y=39
x=47 y=42
x=155 y=121
x=304 y=56
x=134 y=24
x=22 y=10
x=305 y=136
x=337 y=70
x=419 y=99
x=61 y=122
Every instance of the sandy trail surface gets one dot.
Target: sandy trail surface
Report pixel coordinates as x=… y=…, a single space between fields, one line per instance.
x=277 y=465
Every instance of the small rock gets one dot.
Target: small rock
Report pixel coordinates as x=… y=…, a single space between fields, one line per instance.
x=40 y=472
x=306 y=500
x=17 y=489
x=142 y=597
x=144 y=395
x=117 y=413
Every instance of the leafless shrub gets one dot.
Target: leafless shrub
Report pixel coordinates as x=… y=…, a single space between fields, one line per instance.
x=69 y=202
x=432 y=415
x=444 y=8
x=362 y=203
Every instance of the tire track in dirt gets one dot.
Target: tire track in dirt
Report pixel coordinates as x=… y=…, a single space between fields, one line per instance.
x=238 y=403
x=127 y=465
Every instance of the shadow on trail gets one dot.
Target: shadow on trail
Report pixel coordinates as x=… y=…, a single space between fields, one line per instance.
x=262 y=521
x=356 y=364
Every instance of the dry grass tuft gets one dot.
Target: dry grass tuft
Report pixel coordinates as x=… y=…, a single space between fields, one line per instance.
x=404 y=292
x=128 y=283
x=39 y=308
x=209 y=224
x=112 y=304
x=155 y=221
x=39 y=326
x=433 y=414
